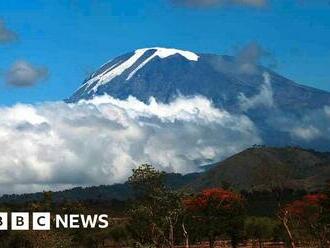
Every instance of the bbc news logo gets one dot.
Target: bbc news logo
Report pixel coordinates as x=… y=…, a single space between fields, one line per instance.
x=44 y=221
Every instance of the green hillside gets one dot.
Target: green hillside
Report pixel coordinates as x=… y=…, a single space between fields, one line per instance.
x=263 y=168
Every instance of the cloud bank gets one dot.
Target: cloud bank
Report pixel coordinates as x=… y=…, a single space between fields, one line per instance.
x=24 y=74
x=57 y=145
x=313 y=125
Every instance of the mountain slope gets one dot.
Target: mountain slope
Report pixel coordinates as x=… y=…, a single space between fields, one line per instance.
x=266 y=168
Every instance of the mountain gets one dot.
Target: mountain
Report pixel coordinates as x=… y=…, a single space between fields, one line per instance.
x=264 y=168
x=257 y=168
x=232 y=83
x=165 y=73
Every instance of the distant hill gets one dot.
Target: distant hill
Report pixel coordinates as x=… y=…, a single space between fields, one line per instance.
x=263 y=168
x=257 y=168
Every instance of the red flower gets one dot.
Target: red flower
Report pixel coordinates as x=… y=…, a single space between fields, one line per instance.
x=308 y=207
x=214 y=196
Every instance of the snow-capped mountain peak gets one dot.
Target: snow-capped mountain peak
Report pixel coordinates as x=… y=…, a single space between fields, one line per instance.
x=164 y=74
x=162 y=53
x=116 y=69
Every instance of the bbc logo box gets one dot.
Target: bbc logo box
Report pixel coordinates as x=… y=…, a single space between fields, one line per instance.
x=3 y=221
x=21 y=221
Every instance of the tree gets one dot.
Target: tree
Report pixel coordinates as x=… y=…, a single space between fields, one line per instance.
x=260 y=228
x=307 y=214
x=325 y=215
x=157 y=209
x=284 y=217
x=146 y=181
x=216 y=212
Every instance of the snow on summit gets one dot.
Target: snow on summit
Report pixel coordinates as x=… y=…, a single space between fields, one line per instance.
x=163 y=53
x=118 y=68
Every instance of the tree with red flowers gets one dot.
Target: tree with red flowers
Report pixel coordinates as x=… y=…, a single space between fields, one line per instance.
x=306 y=216
x=216 y=212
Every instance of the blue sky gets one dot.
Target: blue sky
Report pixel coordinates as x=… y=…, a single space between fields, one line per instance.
x=71 y=38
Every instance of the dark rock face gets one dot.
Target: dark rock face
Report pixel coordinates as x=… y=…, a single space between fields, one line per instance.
x=221 y=79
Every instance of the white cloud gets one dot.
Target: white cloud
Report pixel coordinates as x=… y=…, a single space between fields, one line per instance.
x=263 y=99
x=313 y=125
x=308 y=126
x=306 y=133
x=57 y=145
x=327 y=110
